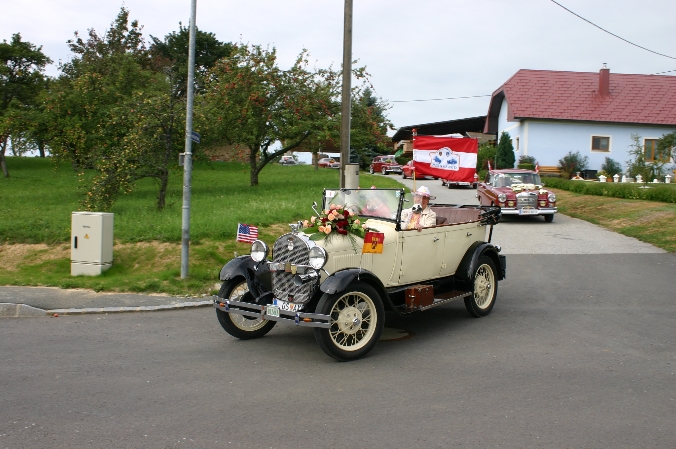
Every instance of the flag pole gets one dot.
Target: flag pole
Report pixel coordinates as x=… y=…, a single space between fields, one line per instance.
x=415 y=133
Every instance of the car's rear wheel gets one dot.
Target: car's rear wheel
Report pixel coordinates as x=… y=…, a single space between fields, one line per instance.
x=240 y=326
x=484 y=288
x=549 y=218
x=357 y=320
x=371 y=169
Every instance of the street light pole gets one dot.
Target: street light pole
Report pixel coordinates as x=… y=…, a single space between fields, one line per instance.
x=346 y=106
x=187 y=168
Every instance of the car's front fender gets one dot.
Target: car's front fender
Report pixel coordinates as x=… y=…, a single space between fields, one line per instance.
x=258 y=277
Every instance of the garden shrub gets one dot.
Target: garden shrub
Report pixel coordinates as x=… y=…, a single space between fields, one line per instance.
x=485 y=153
x=665 y=193
x=572 y=163
x=612 y=167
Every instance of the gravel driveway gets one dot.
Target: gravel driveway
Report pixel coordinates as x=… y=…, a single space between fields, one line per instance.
x=531 y=235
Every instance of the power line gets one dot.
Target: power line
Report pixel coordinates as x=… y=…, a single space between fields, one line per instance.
x=668 y=71
x=439 y=99
x=612 y=34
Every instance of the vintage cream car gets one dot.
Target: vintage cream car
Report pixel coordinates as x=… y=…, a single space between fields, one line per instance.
x=329 y=284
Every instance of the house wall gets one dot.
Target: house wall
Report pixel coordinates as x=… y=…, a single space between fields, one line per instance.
x=549 y=140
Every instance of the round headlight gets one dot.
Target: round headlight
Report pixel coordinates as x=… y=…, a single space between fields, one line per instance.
x=259 y=251
x=552 y=198
x=317 y=257
x=502 y=197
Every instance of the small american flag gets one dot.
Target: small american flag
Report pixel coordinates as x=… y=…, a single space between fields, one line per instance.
x=246 y=233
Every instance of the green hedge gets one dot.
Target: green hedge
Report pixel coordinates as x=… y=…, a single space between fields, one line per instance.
x=665 y=193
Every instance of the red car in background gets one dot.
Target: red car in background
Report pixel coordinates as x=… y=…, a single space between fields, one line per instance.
x=408 y=170
x=517 y=192
x=384 y=164
x=328 y=162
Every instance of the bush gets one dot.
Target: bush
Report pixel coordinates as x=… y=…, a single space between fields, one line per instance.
x=486 y=153
x=572 y=163
x=527 y=160
x=404 y=158
x=612 y=167
x=665 y=193
x=526 y=166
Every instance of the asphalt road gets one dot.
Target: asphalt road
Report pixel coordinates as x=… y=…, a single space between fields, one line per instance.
x=578 y=352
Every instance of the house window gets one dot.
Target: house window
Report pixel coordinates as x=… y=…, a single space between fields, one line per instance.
x=600 y=143
x=650 y=151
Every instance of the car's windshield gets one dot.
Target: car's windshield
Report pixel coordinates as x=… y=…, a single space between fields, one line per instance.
x=374 y=203
x=389 y=160
x=507 y=179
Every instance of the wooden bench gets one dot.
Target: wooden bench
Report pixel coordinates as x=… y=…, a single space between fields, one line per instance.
x=549 y=170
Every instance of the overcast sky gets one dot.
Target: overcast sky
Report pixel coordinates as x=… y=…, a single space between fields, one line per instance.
x=413 y=49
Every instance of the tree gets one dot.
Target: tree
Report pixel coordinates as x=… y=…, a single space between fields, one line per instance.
x=572 y=163
x=171 y=57
x=666 y=146
x=251 y=102
x=369 y=126
x=648 y=169
x=504 y=156
x=21 y=80
x=104 y=72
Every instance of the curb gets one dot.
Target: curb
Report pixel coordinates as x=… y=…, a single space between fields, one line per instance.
x=23 y=310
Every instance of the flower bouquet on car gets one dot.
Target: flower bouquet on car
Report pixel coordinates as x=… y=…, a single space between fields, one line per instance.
x=336 y=220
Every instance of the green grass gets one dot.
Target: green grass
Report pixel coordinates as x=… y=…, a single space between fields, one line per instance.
x=37 y=200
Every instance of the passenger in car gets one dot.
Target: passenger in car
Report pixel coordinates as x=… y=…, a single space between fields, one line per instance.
x=420 y=215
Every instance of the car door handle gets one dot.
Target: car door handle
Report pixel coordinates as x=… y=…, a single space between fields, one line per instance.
x=468 y=234
x=436 y=239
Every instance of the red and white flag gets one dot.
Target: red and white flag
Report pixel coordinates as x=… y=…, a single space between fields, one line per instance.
x=489 y=165
x=537 y=167
x=246 y=233
x=448 y=158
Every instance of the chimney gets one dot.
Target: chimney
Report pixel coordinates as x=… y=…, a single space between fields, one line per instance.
x=604 y=80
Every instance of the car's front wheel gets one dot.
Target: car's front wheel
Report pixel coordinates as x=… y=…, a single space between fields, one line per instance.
x=240 y=326
x=403 y=174
x=484 y=288
x=357 y=320
x=383 y=171
x=549 y=218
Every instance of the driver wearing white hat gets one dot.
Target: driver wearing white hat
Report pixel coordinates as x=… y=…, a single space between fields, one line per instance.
x=420 y=215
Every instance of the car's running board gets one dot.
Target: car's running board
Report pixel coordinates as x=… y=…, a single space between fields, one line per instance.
x=438 y=300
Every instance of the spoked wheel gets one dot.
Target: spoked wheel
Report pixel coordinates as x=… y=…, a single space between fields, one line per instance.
x=240 y=326
x=383 y=171
x=357 y=320
x=485 y=288
x=371 y=170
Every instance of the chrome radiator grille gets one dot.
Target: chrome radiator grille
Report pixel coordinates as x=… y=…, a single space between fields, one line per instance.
x=282 y=282
x=527 y=199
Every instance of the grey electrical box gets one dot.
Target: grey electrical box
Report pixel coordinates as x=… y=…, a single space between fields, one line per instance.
x=351 y=176
x=91 y=243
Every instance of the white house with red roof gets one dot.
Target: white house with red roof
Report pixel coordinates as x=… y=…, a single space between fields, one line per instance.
x=549 y=113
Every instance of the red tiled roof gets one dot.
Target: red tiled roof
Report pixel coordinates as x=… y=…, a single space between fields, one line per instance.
x=544 y=94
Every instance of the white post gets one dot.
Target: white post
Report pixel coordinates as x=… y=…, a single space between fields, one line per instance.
x=616 y=177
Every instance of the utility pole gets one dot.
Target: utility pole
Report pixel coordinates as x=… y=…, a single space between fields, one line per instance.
x=187 y=168
x=346 y=106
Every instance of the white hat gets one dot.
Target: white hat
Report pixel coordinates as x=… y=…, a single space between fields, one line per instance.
x=424 y=191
